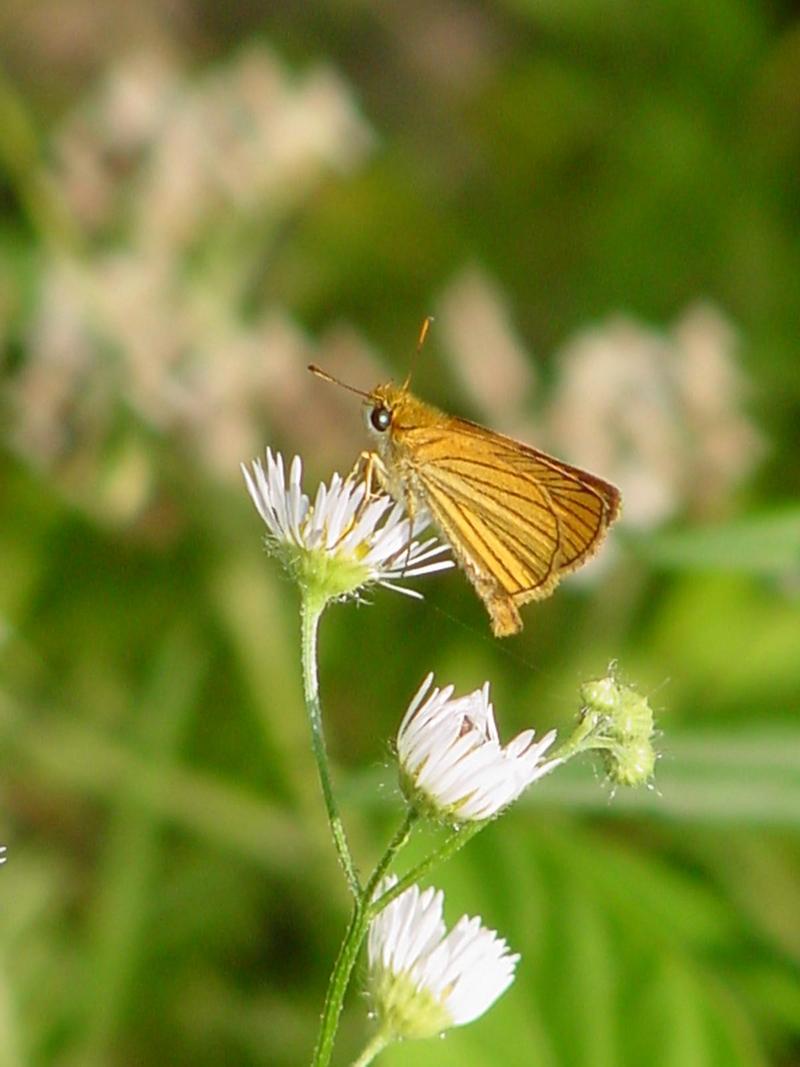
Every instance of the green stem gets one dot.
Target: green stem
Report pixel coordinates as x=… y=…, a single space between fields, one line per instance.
x=375 y=1046
x=310 y=613
x=585 y=737
x=456 y=841
x=337 y=987
x=348 y=952
x=400 y=838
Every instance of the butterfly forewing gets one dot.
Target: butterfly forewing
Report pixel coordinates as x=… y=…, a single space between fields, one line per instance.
x=495 y=534
x=517 y=519
x=584 y=504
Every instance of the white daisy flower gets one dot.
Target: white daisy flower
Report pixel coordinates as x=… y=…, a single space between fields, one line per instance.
x=424 y=979
x=342 y=541
x=452 y=763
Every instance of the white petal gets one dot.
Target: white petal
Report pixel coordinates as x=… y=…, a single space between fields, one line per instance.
x=372 y=534
x=466 y=969
x=449 y=750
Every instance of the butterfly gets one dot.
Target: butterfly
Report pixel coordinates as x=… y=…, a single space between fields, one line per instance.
x=517 y=520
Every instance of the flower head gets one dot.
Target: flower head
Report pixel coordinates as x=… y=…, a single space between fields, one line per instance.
x=622 y=723
x=342 y=541
x=425 y=979
x=452 y=763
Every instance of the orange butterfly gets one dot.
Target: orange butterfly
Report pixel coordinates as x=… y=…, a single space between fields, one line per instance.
x=516 y=519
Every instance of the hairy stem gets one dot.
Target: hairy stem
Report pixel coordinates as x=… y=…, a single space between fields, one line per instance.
x=348 y=953
x=310 y=616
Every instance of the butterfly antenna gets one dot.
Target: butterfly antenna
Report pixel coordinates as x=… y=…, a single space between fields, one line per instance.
x=335 y=381
x=423 y=333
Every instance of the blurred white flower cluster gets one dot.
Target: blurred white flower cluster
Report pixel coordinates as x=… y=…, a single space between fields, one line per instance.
x=660 y=414
x=174 y=153
x=178 y=188
x=486 y=353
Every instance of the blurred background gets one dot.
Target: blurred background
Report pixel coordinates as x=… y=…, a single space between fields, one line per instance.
x=599 y=203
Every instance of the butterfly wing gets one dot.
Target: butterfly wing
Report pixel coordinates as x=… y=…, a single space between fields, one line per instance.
x=584 y=504
x=516 y=518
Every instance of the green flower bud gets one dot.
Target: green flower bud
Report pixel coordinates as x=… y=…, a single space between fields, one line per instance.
x=630 y=763
x=622 y=728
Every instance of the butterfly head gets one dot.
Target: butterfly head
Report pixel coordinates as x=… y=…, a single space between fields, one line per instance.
x=382 y=406
x=390 y=409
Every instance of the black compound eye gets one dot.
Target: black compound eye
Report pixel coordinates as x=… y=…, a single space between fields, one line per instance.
x=380 y=418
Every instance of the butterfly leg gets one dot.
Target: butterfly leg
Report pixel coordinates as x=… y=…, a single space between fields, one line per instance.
x=368 y=468
x=371 y=469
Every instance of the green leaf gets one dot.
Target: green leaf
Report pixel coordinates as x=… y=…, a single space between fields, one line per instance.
x=766 y=544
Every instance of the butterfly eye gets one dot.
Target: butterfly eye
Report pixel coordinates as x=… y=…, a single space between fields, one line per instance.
x=380 y=418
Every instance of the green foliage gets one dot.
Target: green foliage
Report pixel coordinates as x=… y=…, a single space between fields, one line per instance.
x=760 y=544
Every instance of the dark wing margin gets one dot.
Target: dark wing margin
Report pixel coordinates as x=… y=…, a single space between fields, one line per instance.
x=560 y=512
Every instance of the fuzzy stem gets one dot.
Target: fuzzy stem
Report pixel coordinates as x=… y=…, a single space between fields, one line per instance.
x=310 y=613
x=587 y=736
x=375 y=1046
x=456 y=841
x=348 y=953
